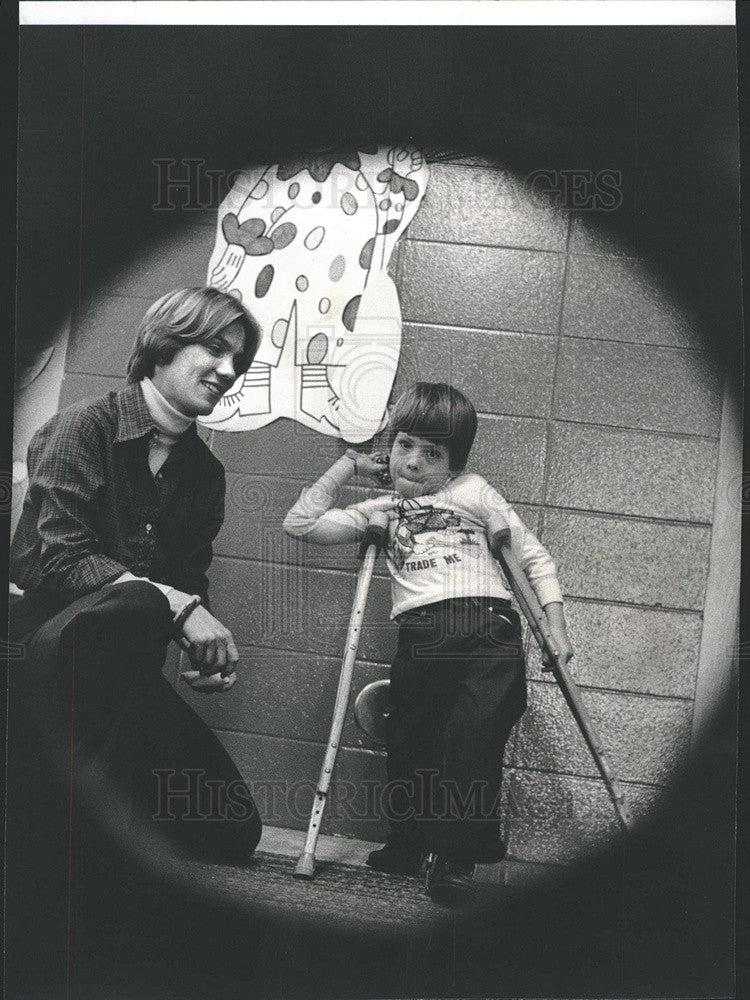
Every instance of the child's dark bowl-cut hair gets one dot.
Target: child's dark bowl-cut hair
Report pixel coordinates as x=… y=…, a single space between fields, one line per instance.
x=438 y=412
x=189 y=316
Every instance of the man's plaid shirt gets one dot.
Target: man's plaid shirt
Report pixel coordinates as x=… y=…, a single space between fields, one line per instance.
x=93 y=509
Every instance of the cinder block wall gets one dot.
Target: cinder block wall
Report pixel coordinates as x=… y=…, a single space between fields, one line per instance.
x=599 y=420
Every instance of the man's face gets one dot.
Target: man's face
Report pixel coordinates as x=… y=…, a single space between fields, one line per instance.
x=198 y=375
x=418 y=466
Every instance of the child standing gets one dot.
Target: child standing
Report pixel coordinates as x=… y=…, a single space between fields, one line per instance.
x=458 y=683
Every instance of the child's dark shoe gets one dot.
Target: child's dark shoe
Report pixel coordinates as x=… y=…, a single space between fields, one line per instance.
x=396 y=859
x=447 y=880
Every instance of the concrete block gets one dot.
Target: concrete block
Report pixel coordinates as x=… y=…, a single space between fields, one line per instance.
x=508 y=373
x=558 y=819
x=646 y=739
x=103 y=344
x=464 y=204
x=629 y=649
x=267 y=539
x=631 y=472
x=308 y=610
x=77 y=388
x=284 y=443
x=510 y=452
x=623 y=299
x=174 y=257
x=484 y=287
x=638 y=562
x=283 y=775
x=286 y=694
x=627 y=385
x=255 y=510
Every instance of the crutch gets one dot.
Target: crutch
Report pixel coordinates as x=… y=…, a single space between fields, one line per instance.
x=371 y=544
x=499 y=539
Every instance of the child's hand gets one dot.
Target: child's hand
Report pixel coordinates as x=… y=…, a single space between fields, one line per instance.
x=375 y=466
x=559 y=631
x=563 y=645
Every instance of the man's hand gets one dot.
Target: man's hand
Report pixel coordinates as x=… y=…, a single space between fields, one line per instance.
x=207 y=642
x=212 y=649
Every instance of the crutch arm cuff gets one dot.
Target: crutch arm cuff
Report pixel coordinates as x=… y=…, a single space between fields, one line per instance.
x=375 y=534
x=498 y=534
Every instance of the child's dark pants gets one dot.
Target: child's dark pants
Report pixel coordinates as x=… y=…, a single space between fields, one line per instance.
x=458 y=686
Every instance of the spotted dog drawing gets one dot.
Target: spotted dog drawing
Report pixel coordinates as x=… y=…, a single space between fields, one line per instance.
x=421 y=530
x=306 y=245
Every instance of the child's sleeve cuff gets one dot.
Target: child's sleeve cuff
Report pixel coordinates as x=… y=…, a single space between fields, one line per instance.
x=548 y=591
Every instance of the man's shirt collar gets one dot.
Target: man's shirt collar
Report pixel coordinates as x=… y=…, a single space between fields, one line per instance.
x=133 y=418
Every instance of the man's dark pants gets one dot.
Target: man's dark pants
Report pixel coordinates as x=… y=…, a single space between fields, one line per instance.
x=458 y=686
x=100 y=743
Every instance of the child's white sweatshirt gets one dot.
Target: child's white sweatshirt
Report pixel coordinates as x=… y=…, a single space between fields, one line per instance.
x=437 y=545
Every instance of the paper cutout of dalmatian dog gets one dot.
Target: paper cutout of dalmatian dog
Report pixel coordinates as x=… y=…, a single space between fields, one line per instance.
x=305 y=245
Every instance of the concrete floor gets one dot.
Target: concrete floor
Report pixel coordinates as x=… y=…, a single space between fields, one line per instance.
x=647 y=922
x=343 y=891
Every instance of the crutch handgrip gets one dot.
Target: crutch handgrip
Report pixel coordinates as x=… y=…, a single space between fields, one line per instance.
x=498 y=534
x=375 y=533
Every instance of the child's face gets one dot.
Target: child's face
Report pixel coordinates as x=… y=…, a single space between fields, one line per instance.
x=418 y=466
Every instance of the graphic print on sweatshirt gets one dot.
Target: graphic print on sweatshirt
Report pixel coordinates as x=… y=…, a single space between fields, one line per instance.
x=425 y=534
x=305 y=245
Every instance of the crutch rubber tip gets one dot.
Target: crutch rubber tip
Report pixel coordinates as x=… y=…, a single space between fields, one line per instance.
x=305 y=866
